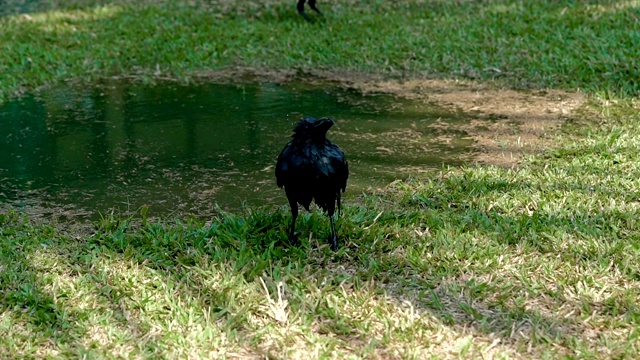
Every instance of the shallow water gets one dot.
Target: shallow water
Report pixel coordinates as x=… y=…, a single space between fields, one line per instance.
x=83 y=150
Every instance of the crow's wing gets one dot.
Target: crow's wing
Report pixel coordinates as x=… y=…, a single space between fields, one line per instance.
x=283 y=165
x=335 y=167
x=308 y=166
x=291 y=165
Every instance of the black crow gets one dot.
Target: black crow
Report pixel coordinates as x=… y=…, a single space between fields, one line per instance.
x=312 y=5
x=312 y=167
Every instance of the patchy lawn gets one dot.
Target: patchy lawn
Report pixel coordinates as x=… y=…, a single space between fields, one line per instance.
x=535 y=261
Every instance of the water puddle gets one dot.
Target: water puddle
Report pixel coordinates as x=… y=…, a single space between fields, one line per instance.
x=79 y=151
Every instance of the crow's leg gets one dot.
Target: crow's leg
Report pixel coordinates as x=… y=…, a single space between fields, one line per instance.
x=333 y=240
x=300 y=8
x=312 y=5
x=293 y=238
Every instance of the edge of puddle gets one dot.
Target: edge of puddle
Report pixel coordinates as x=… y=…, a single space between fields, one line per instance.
x=505 y=124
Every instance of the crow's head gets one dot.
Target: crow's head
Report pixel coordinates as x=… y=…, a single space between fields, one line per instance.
x=312 y=128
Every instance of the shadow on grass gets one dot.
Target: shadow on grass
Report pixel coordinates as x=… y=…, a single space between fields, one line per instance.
x=20 y=294
x=44 y=301
x=485 y=272
x=78 y=296
x=562 y=241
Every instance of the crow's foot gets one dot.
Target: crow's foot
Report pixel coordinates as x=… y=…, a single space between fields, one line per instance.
x=293 y=239
x=306 y=17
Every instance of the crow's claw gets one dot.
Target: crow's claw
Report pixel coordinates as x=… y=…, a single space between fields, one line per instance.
x=293 y=239
x=306 y=17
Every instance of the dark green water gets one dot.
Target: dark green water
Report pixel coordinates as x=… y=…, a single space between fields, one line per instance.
x=79 y=150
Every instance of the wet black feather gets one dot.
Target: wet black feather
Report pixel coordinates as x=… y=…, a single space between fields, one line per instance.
x=310 y=167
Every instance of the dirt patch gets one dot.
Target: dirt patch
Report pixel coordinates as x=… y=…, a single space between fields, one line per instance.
x=505 y=123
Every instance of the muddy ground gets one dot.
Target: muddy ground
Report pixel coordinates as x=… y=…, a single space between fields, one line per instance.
x=506 y=123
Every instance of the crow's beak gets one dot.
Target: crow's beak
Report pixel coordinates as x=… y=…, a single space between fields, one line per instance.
x=324 y=123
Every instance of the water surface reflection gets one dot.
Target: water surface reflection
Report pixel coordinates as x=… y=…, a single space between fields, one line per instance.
x=80 y=150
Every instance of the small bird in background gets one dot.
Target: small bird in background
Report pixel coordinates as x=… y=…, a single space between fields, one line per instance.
x=312 y=167
x=312 y=5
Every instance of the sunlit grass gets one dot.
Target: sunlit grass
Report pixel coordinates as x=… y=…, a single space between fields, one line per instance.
x=536 y=262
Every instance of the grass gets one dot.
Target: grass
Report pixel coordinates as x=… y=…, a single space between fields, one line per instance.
x=563 y=44
x=537 y=262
